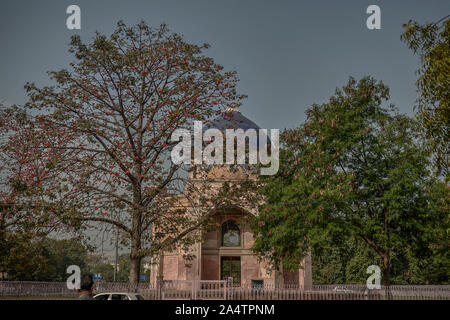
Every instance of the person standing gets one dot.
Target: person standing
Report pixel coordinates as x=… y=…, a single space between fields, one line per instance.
x=86 y=288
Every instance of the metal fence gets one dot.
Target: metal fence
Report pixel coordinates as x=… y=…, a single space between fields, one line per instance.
x=194 y=290
x=397 y=291
x=35 y=290
x=218 y=290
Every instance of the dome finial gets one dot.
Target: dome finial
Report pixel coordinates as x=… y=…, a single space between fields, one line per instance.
x=231 y=109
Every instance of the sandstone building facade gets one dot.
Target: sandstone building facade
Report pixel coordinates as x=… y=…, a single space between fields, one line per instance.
x=226 y=251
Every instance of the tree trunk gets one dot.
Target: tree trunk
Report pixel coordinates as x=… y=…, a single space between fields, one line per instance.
x=387 y=275
x=135 y=257
x=387 y=257
x=135 y=260
x=136 y=232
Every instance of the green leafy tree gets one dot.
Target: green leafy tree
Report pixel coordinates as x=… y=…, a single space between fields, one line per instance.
x=124 y=268
x=433 y=265
x=62 y=253
x=356 y=169
x=431 y=41
x=347 y=264
x=25 y=258
x=106 y=269
x=342 y=264
x=22 y=258
x=329 y=263
x=359 y=257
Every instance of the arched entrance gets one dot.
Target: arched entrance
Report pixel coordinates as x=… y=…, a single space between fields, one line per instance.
x=226 y=251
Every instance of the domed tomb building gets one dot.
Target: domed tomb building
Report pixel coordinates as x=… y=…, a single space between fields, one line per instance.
x=226 y=251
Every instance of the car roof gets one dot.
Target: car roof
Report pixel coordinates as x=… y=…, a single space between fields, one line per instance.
x=129 y=293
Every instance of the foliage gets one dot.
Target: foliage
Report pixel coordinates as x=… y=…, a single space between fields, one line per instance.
x=431 y=41
x=22 y=168
x=95 y=147
x=27 y=259
x=125 y=266
x=107 y=269
x=22 y=259
x=347 y=264
x=354 y=169
x=344 y=264
x=62 y=253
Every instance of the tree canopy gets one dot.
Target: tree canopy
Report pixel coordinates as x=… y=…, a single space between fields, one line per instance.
x=354 y=169
x=95 y=146
x=431 y=41
x=29 y=259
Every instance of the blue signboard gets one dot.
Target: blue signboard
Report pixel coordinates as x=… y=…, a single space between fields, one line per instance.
x=143 y=277
x=97 y=276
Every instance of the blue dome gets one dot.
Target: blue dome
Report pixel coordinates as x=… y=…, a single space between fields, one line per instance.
x=233 y=119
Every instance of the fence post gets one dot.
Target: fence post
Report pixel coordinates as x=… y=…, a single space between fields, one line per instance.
x=225 y=291
x=159 y=285
x=230 y=288
x=195 y=287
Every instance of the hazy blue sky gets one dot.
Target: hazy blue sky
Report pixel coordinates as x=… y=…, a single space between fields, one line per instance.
x=288 y=54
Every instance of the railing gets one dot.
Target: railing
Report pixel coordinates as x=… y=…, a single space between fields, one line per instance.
x=221 y=289
x=286 y=294
x=397 y=291
x=194 y=289
x=212 y=290
x=38 y=290
x=177 y=290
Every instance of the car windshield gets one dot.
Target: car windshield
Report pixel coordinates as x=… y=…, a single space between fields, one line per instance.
x=139 y=297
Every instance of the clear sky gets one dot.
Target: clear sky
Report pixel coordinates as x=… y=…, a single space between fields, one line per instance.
x=288 y=54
